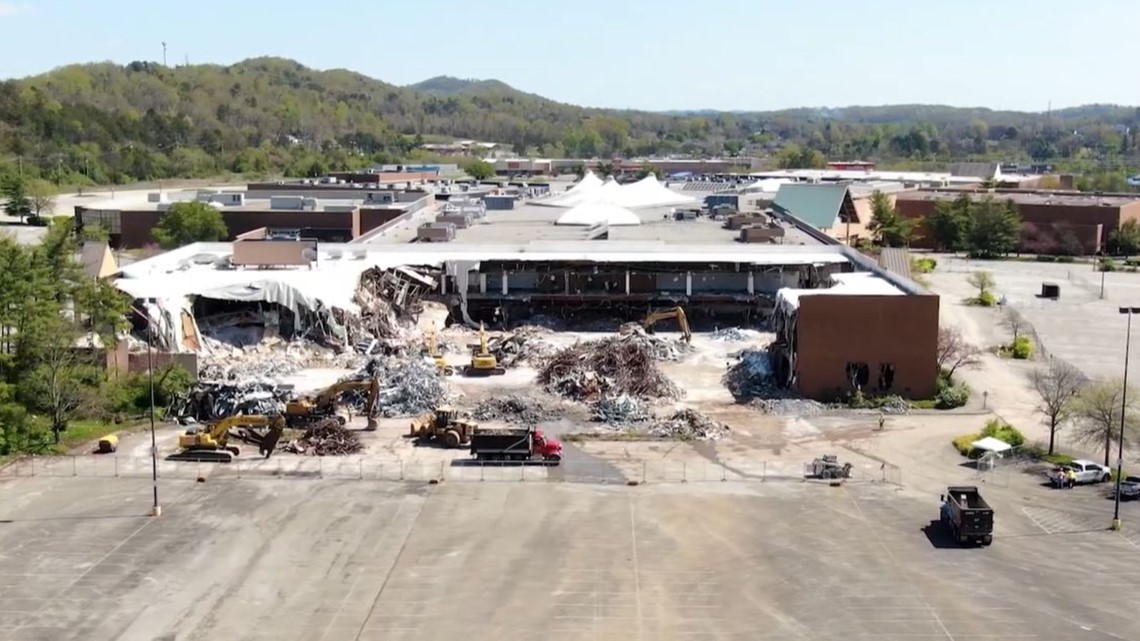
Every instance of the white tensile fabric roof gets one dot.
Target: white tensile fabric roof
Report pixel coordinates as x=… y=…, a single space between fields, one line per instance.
x=589 y=182
x=597 y=213
x=768 y=184
x=647 y=192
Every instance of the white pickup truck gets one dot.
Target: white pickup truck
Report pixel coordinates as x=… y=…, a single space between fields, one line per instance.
x=1087 y=472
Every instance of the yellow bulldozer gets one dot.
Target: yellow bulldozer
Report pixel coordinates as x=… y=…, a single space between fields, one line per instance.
x=483 y=362
x=210 y=443
x=444 y=425
x=302 y=411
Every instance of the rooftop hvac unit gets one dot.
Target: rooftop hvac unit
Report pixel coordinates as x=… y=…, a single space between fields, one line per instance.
x=309 y=254
x=308 y=203
x=286 y=202
x=360 y=255
x=157 y=197
x=334 y=255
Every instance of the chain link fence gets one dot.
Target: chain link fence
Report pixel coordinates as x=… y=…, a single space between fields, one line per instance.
x=459 y=470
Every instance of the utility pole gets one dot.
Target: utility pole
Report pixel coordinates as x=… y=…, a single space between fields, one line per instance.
x=163 y=54
x=20 y=164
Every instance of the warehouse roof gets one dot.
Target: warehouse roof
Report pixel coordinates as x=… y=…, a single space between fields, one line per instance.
x=816 y=204
x=1069 y=198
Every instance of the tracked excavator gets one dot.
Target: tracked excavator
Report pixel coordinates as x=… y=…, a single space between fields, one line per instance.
x=665 y=314
x=303 y=411
x=435 y=355
x=483 y=362
x=210 y=443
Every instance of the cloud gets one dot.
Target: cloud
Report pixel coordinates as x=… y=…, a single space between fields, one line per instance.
x=9 y=9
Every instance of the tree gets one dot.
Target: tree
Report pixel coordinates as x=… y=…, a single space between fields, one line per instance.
x=954 y=352
x=580 y=170
x=733 y=147
x=982 y=280
x=605 y=169
x=16 y=199
x=189 y=222
x=1125 y=239
x=41 y=196
x=1098 y=410
x=995 y=230
x=949 y=225
x=796 y=157
x=1056 y=387
x=61 y=384
x=1014 y=323
x=890 y=228
x=650 y=170
x=479 y=169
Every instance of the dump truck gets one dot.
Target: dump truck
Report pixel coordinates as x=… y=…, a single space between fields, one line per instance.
x=967 y=515
x=514 y=444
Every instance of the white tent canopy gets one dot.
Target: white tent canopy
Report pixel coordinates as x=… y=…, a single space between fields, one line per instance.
x=598 y=213
x=589 y=182
x=647 y=192
x=991 y=444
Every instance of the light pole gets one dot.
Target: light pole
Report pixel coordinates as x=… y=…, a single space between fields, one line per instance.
x=156 y=509
x=1127 y=311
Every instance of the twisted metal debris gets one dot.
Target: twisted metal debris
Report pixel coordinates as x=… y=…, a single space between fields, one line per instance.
x=608 y=367
x=733 y=335
x=522 y=345
x=408 y=387
x=326 y=438
x=750 y=380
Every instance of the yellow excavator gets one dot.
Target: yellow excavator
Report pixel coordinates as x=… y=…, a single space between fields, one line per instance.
x=305 y=410
x=665 y=314
x=483 y=362
x=210 y=443
x=436 y=357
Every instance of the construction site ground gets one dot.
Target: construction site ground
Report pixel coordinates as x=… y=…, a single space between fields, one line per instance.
x=719 y=539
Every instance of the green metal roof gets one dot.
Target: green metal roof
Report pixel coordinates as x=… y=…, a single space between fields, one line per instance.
x=817 y=204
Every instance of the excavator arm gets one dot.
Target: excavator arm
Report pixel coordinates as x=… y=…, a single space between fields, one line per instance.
x=665 y=314
x=212 y=444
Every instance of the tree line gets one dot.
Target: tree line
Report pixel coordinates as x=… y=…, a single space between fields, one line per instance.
x=986 y=228
x=105 y=123
x=51 y=316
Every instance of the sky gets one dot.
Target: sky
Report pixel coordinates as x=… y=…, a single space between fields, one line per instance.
x=641 y=54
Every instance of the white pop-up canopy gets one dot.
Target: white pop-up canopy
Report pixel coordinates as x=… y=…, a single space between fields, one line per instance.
x=991 y=444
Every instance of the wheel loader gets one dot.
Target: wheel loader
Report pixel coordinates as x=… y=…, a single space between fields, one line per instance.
x=445 y=425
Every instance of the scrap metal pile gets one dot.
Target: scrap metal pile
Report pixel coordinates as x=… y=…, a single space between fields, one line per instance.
x=734 y=335
x=525 y=344
x=662 y=349
x=213 y=400
x=388 y=298
x=407 y=387
x=623 y=364
x=325 y=438
x=687 y=424
x=268 y=358
x=514 y=408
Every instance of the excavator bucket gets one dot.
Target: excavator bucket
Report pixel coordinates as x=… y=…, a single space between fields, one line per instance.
x=269 y=443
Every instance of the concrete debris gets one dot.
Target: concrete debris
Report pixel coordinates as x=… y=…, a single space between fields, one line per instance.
x=522 y=345
x=514 y=408
x=688 y=424
x=734 y=335
x=621 y=410
x=388 y=299
x=751 y=380
x=751 y=375
x=608 y=367
x=326 y=438
x=407 y=387
x=267 y=358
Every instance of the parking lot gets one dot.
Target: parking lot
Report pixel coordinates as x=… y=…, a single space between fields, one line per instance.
x=327 y=559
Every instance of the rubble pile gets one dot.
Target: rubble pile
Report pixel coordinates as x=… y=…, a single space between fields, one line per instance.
x=688 y=424
x=407 y=387
x=620 y=410
x=268 y=358
x=326 y=438
x=522 y=345
x=662 y=349
x=789 y=406
x=608 y=367
x=514 y=408
x=733 y=335
x=388 y=298
x=751 y=375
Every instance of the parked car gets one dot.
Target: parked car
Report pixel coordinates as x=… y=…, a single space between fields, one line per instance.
x=1130 y=488
x=1087 y=472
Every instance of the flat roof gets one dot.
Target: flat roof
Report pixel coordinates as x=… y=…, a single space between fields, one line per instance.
x=858 y=175
x=1068 y=198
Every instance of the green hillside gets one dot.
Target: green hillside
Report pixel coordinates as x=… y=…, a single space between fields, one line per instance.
x=104 y=122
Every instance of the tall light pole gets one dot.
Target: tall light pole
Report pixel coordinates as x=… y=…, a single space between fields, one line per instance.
x=1127 y=311
x=163 y=54
x=156 y=509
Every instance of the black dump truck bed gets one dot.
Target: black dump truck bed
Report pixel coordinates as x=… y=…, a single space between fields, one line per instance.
x=970 y=512
x=515 y=441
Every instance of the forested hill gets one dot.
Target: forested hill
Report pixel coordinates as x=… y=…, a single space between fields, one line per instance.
x=108 y=122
